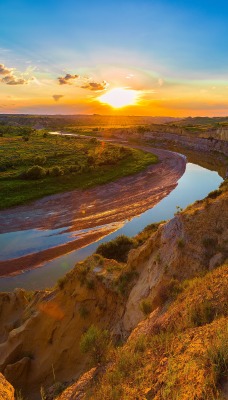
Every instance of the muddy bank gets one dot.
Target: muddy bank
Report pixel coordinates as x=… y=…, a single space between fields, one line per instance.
x=77 y=210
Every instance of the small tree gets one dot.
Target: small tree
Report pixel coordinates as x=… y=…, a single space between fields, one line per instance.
x=96 y=343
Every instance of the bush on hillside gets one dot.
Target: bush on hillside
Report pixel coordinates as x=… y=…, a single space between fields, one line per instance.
x=56 y=171
x=146 y=306
x=40 y=160
x=117 y=249
x=96 y=343
x=35 y=172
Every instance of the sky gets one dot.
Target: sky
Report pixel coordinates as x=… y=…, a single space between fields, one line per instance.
x=154 y=57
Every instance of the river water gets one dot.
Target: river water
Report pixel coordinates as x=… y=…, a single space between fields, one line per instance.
x=194 y=185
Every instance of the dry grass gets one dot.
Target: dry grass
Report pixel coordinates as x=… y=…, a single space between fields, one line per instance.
x=186 y=360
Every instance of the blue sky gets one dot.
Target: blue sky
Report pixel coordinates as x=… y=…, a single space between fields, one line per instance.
x=182 y=41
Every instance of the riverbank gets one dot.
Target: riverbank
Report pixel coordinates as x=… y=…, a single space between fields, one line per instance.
x=43 y=164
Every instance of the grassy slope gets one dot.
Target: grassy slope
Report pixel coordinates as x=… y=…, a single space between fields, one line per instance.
x=17 y=155
x=187 y=361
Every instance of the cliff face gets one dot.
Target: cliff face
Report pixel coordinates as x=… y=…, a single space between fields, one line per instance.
x=195 y=143
x=222 y=134
x=12 y=306
x=191 y=243
x=44 y=347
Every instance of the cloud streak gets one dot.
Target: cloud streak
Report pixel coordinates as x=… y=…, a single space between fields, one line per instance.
x=13 y=80
x=68 y=79
x=9 y=77
x=4 y=70
x=96 y=86
x=82 y=82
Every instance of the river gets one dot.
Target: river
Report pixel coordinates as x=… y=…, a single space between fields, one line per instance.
x=194 y=185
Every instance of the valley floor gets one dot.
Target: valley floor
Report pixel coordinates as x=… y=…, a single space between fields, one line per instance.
x=114 y=202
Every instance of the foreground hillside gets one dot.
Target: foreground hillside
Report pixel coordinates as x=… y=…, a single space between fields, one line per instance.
x=152 y=328
x=180 y=354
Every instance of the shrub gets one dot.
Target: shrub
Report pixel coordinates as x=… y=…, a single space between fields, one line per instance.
x=40 y=160
x=218 y=357
x=140 y=344
x=124 y=281
x=35 y=172
x=179 y=209
x=81 y=273
x=167 y=290
x=146 y=306
x=61 y=282
x=99 y=259
x=96 y=343
x=83 y=311
x=117 y=249
x=214 y=194
x=73 y=168
x=127 y=362
x=55 y=171
x=146 y=233
x=90 y=284
x=201 y=314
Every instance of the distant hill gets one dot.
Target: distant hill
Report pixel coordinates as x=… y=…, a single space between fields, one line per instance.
x=96 y=120
x=202 y=121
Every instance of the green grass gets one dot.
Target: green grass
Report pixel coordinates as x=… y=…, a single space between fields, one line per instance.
x=84 y=163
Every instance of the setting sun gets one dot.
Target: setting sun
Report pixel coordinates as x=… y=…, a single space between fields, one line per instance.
x=119 y=97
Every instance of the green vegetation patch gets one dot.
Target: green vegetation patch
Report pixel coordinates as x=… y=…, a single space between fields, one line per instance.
x=117 y=249
x=46 y=164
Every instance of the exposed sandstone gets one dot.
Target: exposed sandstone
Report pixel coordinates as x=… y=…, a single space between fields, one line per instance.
x=47 y=341
x=12 y=306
